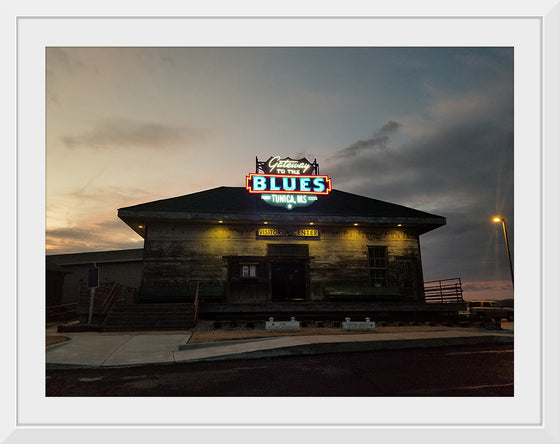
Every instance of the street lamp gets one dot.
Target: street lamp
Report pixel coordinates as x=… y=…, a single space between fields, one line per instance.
x=503 y=221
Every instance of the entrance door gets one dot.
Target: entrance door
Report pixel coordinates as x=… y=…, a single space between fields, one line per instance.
x=287 y=279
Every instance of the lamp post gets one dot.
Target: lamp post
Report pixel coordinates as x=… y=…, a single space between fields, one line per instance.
x=503 y=221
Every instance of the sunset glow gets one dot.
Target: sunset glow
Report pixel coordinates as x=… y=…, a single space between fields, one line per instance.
x=427 y=128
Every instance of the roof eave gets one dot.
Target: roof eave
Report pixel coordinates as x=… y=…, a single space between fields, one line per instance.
x=129 y=216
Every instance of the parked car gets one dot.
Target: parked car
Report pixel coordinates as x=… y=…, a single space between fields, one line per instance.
x=489 y=310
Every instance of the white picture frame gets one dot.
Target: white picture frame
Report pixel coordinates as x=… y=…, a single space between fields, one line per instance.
x=531 y=416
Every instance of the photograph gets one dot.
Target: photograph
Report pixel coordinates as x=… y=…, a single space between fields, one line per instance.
x=342 y=215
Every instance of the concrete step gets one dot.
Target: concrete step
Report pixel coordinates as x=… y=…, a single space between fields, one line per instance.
x=149 y=322
x=154 y=314
x=153 y=307
x=168 y=300
x=124 y=328
x=162 y=316
x=148 y=325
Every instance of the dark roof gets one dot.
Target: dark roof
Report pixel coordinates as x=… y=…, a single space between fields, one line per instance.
x=236 y=203
x=54 y=268
x=90 y=257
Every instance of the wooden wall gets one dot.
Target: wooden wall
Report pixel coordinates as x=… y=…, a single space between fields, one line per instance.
x=176 y=254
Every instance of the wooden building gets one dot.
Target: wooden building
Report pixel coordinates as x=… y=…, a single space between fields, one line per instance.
x=242 y=251
x=67 y=292
x=122 y=266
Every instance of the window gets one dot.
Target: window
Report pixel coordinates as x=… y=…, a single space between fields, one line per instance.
x=248 y=270
x=378 y=266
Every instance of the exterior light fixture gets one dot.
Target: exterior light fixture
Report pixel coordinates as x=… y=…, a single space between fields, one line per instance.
x=265 y=222
x=140 y=226
x=310 y=223
x=355 y=224
x=503 y=221
x=399 y=225
x=220 y=221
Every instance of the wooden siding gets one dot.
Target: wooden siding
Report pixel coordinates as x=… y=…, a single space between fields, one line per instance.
x=178 y=253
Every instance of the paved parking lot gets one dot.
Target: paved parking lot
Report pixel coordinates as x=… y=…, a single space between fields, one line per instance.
x=480 y=370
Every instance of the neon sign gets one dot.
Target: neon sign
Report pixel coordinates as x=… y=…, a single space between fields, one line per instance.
x=276 y=183
x=277 y=165
x=287 y=182
x=288 y=201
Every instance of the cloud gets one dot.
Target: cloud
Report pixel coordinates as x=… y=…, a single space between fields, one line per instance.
x=458 y=157
x=485 y=103
x=133 y=134
x=109 y=194
x=93 y=208
x=101 y=195
x=487 y=290
x=110 y=234
x=378 y=140
x=58 y=58
x=460 y=166
x=59 y=64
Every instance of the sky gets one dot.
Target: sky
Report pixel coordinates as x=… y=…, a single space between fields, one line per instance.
x=428 y=128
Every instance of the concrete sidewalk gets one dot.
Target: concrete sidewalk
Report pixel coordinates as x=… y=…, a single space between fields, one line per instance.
x=94 y=350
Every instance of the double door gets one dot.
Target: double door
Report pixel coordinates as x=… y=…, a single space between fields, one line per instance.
x=288 y=280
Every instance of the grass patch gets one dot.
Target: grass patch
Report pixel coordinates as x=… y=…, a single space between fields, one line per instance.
x=228 y=335
x=53 y=339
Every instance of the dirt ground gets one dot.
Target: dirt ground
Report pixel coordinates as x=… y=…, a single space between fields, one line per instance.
x=54 y=339
x=226 y=335
x=203 y=334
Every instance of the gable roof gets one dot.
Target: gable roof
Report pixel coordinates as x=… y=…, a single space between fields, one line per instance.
x=237 y=204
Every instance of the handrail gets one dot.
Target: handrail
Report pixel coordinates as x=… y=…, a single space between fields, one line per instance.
x=72 y=306
x=109 y=299
x=110 y=302
x=62 y=311
x=457 y=279
x=195 y=314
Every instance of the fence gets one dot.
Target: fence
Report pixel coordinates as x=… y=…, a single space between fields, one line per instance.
x=63 y=312
x=444 y=291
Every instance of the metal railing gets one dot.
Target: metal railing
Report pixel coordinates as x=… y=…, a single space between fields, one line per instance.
x=444 y=291
x=61 y=312
x=111 y=300
x=195 y=304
